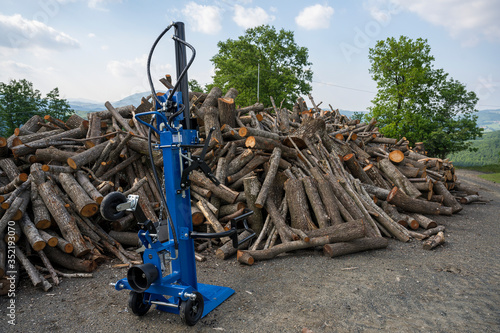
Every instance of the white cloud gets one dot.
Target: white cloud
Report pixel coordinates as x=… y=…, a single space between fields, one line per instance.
x=469 y=21
x=21 y=33
x=382 y=10
x=100 y=4
x=203 y=18
x=315 y=17
x=251 y=17
x=135 y=68
x=15 y=70
x=91 y=35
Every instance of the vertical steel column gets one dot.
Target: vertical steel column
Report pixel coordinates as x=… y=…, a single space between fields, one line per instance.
x=181 y=63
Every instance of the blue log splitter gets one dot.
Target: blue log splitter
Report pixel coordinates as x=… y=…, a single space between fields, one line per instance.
x=167 y=277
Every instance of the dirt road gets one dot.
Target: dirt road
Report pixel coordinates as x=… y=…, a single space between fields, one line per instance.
x=454 y=288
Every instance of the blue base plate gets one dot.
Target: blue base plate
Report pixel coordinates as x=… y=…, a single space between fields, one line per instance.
x=213 y=296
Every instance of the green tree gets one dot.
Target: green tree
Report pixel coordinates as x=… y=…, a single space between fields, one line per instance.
x=420 y=102
x=194 y=86
x=268 y=56
x=19 y=101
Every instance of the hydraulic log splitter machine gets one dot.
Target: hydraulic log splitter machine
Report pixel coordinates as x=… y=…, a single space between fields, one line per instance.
x=167 y=277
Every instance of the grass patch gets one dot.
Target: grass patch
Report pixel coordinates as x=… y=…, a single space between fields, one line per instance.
x=492 y=177
x=491 y=168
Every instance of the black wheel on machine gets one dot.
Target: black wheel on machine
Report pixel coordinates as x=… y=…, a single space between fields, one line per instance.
x=136 y=303
x=108 y=206
x=191 y=310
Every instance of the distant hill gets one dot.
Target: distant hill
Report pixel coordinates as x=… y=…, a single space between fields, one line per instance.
x=489 y=120
x=488 y=152
x=84 y=105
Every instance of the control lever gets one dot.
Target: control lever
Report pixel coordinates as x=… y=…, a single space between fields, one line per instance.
x=231 y=233
x=199 y=162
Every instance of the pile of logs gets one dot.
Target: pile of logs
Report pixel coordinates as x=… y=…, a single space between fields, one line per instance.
x=312 y=178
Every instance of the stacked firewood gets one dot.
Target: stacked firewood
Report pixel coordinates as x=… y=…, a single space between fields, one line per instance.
x=312 y=178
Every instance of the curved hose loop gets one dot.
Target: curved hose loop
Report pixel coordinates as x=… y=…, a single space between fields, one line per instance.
x=148 y=66
x=184 y=71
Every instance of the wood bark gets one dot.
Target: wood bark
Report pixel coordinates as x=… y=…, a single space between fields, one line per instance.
x=84 y=204
x=89 y=188
x=31 y=232
x=328 y=197
x=227 y=111
x=448 y=199
x=126 y=238
x=62 y=259
x=53 y=154
x=356 y=170
x=434 y=241
x=37 y=279
x=311 y=188
x=48 y=238
x=398 y=178
x=66 y=222
x=424 y=221
x=274 y=161
x=252 y=189
x=297 y=204
x=119 y=118
x=340 y=233
x=86 y=157
x=354 y=246
x=220 y=191
x=240 y=161
x=250 y=166
x=227 y=250
x=23 y=149
x=266 y=144
x=400 y=199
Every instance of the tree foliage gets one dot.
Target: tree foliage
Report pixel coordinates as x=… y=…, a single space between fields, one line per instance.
x=194 y=86
x=420 y=102
x=284 y=66
x=19 y=101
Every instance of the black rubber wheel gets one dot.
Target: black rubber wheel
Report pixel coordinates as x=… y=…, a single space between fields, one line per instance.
x=136 y=304
x=108 y=206
x=191 y=310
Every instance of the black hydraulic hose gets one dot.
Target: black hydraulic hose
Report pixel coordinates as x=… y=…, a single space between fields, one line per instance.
x=170 y=119
x=184 y=71
x=148 y=66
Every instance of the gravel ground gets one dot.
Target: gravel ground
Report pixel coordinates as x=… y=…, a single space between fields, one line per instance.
x=400 y=289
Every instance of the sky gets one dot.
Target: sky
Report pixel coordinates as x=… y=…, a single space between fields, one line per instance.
x=97 y=49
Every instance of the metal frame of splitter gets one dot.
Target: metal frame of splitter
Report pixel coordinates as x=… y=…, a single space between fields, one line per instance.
x=168 y=278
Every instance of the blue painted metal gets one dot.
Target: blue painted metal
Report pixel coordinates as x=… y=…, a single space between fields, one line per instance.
x=181 y=278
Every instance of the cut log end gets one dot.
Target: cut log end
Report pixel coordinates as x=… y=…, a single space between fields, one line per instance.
x=72 y=163
x=43 y=224
x=39 y=245
x=68 y=248
x=396 y=156
x=89 y=210
x=245 y=258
